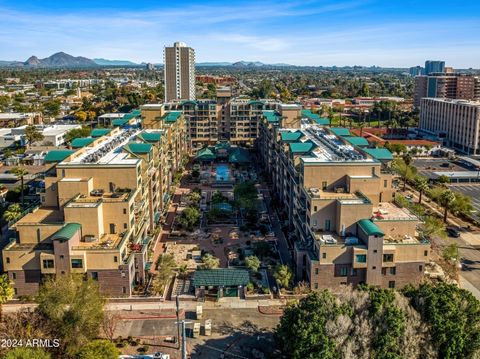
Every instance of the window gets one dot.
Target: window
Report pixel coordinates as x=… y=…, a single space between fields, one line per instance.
x=124 y=211
x=316 y=271
x=374 y=267
x=115 y=259
x=125 y=226
x=316 y=285
x=385 y=183
x=48 y=263
x=324 y=185
x=95 y=275
x=391 y=284
x=324 y=255
x=375 y=251
x=425 y=253
x=361 y=258
x=315 y=208
x=393 y=270
x=77 y=263
x=14 y=276
x=62 y=256
x=420 y=268
x=353 y=272
x=384 y=271
x=15 y=291
x=343 y=272
x=8 y=260
x=388 y=257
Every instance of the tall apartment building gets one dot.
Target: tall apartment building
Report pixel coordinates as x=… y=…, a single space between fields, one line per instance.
x=236 y=120
x=432 y=66
x=337 y=201
x=457 y=122
x=416 y=71
x=179 y=72
x=99 y=209
x=451 y=85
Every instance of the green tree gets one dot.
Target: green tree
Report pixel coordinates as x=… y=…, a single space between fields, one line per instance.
x=74 y=307
x=421 y=184
x=77 y=133
x=210 y=262
x=80 y=116
x=165 y=266
x=6 y=291
x=32 y=135
x=451 y=252
x=302 y=332
x=189 y=217
x=13 y=213
x=20 y=173
x=246 y=195
x=462 y=205
x=283 y=274
x=27 y=353
x=453 y=316
x=405 y=171
x=51 y=108
x=99 y=349
x=252 y=263
x=432 y=226
x=447 y=201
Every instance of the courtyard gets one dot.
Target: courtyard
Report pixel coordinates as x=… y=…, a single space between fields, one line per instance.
x=220 y=219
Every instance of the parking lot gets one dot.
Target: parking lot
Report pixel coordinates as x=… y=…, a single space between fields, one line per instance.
x=425 y=167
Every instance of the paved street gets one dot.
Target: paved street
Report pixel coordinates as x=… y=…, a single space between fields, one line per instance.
x=471 y=190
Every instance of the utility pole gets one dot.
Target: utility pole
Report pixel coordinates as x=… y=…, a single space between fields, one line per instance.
x=184 y=338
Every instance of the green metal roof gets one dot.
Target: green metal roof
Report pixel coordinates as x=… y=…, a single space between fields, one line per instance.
x=223 y=277
x=205 y=154
x=370 y=228
x=356 y=141
x=57 y=155
x=238 y=155
x=150 y=136
x=138 y=148
x=271 y=116
x=301 y=147
x=340 y=131
x=82 y=142
x=67 y=231
x=381 y=154
x=172 y=116
x=120 y=122
x=291 y=136
x=99 y=132
x=133 y=114
x=315 y=117
x=256 y=102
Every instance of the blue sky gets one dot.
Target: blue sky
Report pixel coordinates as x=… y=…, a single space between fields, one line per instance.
x=321 y=32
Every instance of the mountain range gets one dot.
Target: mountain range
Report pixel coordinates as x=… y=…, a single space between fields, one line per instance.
x=64 y=60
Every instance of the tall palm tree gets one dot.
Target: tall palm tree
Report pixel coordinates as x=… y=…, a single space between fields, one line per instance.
x=447 y=201
x=20 y=173
x=421 y=184
x=13 y=212
x=6 y=291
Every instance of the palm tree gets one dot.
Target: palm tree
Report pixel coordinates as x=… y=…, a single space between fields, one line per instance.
x=405 y=171
x=6 y=291
x=20 y=173
x=13 y=212
x=447 y=201
x=421 y=184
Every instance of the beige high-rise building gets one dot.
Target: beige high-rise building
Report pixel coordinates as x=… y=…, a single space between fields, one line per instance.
x=179 y=72
x=455 y=121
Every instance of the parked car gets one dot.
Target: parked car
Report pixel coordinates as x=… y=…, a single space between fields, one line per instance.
x=453 y=232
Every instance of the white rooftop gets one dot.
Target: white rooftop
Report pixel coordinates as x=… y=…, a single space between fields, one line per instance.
x=112 y=115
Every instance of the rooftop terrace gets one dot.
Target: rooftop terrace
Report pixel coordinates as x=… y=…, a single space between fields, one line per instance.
x=329 y=147
x=108 y=151
x=386 y=211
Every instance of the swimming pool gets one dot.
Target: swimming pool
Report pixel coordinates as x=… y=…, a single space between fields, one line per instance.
x=223 y=172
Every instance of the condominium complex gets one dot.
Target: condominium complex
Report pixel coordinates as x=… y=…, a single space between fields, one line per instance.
x=179 y=72
x=223 y=118
x=99 y=207
x=454 y=86
x=337 y=200
x=457 y=122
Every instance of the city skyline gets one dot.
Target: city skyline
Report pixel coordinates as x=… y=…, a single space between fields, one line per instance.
x=398 y=34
